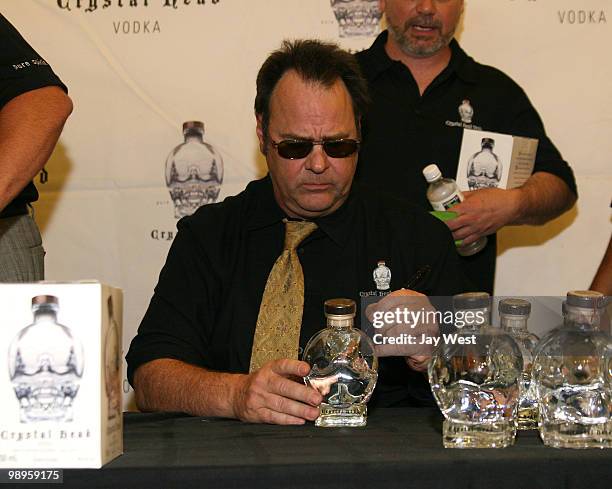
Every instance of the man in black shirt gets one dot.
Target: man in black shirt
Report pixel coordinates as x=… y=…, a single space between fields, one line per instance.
x=33 y=109
x=193 y=348
x=425 y=90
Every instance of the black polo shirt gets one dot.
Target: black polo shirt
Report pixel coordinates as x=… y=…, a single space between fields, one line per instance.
x=403 y=131
x=21 y=70
x=205 y=306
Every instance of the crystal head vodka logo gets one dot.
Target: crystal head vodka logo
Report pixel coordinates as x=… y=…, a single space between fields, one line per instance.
x=466 y=112
x=194 y=171
x=45 y=365
x=484 y=169
x=357 y=18
x=382 y=276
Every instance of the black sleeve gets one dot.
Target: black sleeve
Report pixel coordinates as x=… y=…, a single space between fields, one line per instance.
x=182 y=311
x=525 y=121
x=21 y=68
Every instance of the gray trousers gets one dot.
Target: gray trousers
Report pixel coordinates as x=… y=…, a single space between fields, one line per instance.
x=21 y=252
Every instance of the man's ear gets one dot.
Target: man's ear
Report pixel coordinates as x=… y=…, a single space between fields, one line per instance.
x=382 y=4
x=260 y=134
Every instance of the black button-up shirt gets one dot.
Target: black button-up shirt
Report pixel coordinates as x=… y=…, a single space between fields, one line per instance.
x=205 y=306
x=405 y=131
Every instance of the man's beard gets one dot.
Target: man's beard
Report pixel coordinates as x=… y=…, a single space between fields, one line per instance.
x=413 y=47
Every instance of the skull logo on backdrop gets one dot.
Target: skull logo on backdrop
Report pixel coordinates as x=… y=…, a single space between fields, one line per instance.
x=194 y=171
x=45 y=365
x=357 y=18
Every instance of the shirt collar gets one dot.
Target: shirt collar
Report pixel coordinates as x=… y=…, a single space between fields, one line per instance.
x=267 y=212
x=376 y=60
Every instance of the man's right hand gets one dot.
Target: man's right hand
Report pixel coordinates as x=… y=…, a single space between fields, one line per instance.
x=270 y=395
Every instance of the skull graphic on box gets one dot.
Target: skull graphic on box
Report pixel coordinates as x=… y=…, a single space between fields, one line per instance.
x=357 y=18
x=194 y=171
x=45 y=365
x=484 y=169
x=112 y=363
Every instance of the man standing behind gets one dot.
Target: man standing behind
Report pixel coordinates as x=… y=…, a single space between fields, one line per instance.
x=245 y=280
x=424 y=91
x=33 y=109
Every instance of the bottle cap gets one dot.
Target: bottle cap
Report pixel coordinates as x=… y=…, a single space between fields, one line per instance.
x=487 y=142
x=586 y=298
x=189 y=126
x=340 y=307
x=515 y=307
x=431 y=172
x=471 y=300
x=44 y=299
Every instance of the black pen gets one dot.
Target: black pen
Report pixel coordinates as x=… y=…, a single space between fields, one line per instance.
x=418 y=277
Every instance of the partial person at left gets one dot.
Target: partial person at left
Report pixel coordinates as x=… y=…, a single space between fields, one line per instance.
x=34 y=106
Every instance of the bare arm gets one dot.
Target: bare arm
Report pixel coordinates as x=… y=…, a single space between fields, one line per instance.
x=30 y=125
x=602 y=282
x=543 y=197
x=268 y=395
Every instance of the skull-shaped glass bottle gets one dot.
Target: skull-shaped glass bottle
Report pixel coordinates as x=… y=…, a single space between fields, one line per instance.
x=484 y=170
x=474 y=376
x=45 y=365
x=343 y=367
x=513 y=315
x=357 y=18
x=194 y=171
x=572 y=373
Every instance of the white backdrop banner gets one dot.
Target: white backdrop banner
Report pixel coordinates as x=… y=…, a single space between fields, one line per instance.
x=138 y=69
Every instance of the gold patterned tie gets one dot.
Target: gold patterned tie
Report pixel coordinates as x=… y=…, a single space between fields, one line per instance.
x=277 y=334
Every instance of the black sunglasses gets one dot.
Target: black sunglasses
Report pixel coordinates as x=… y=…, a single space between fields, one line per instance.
x=295 y=149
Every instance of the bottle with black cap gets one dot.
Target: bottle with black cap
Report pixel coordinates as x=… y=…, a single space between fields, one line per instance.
x=571 y=373
x=343 y=367
x=513 y=316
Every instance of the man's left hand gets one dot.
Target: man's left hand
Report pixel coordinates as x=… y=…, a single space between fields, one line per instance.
x=417 y=355
x=483 y=212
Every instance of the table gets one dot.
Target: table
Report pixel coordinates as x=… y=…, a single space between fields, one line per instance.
x=399 y=448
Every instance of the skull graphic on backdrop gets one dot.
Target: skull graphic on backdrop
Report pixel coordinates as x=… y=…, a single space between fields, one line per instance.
x=46 y=365
x=194 y=171
x=357 y=18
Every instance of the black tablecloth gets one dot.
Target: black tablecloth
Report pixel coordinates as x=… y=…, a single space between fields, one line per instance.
x=399 y=448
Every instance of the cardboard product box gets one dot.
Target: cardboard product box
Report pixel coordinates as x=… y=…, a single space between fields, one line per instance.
x=493 y=160
x=60 y=375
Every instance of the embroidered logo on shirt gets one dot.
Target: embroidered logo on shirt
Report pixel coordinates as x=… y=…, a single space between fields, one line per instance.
x=382 y=276
x=466 y=112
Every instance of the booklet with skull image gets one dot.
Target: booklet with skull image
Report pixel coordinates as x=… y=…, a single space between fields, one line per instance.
x=494 y=160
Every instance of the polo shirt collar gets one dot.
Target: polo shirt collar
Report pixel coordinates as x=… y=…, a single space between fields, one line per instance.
x=376 y=60
x=267 y=212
